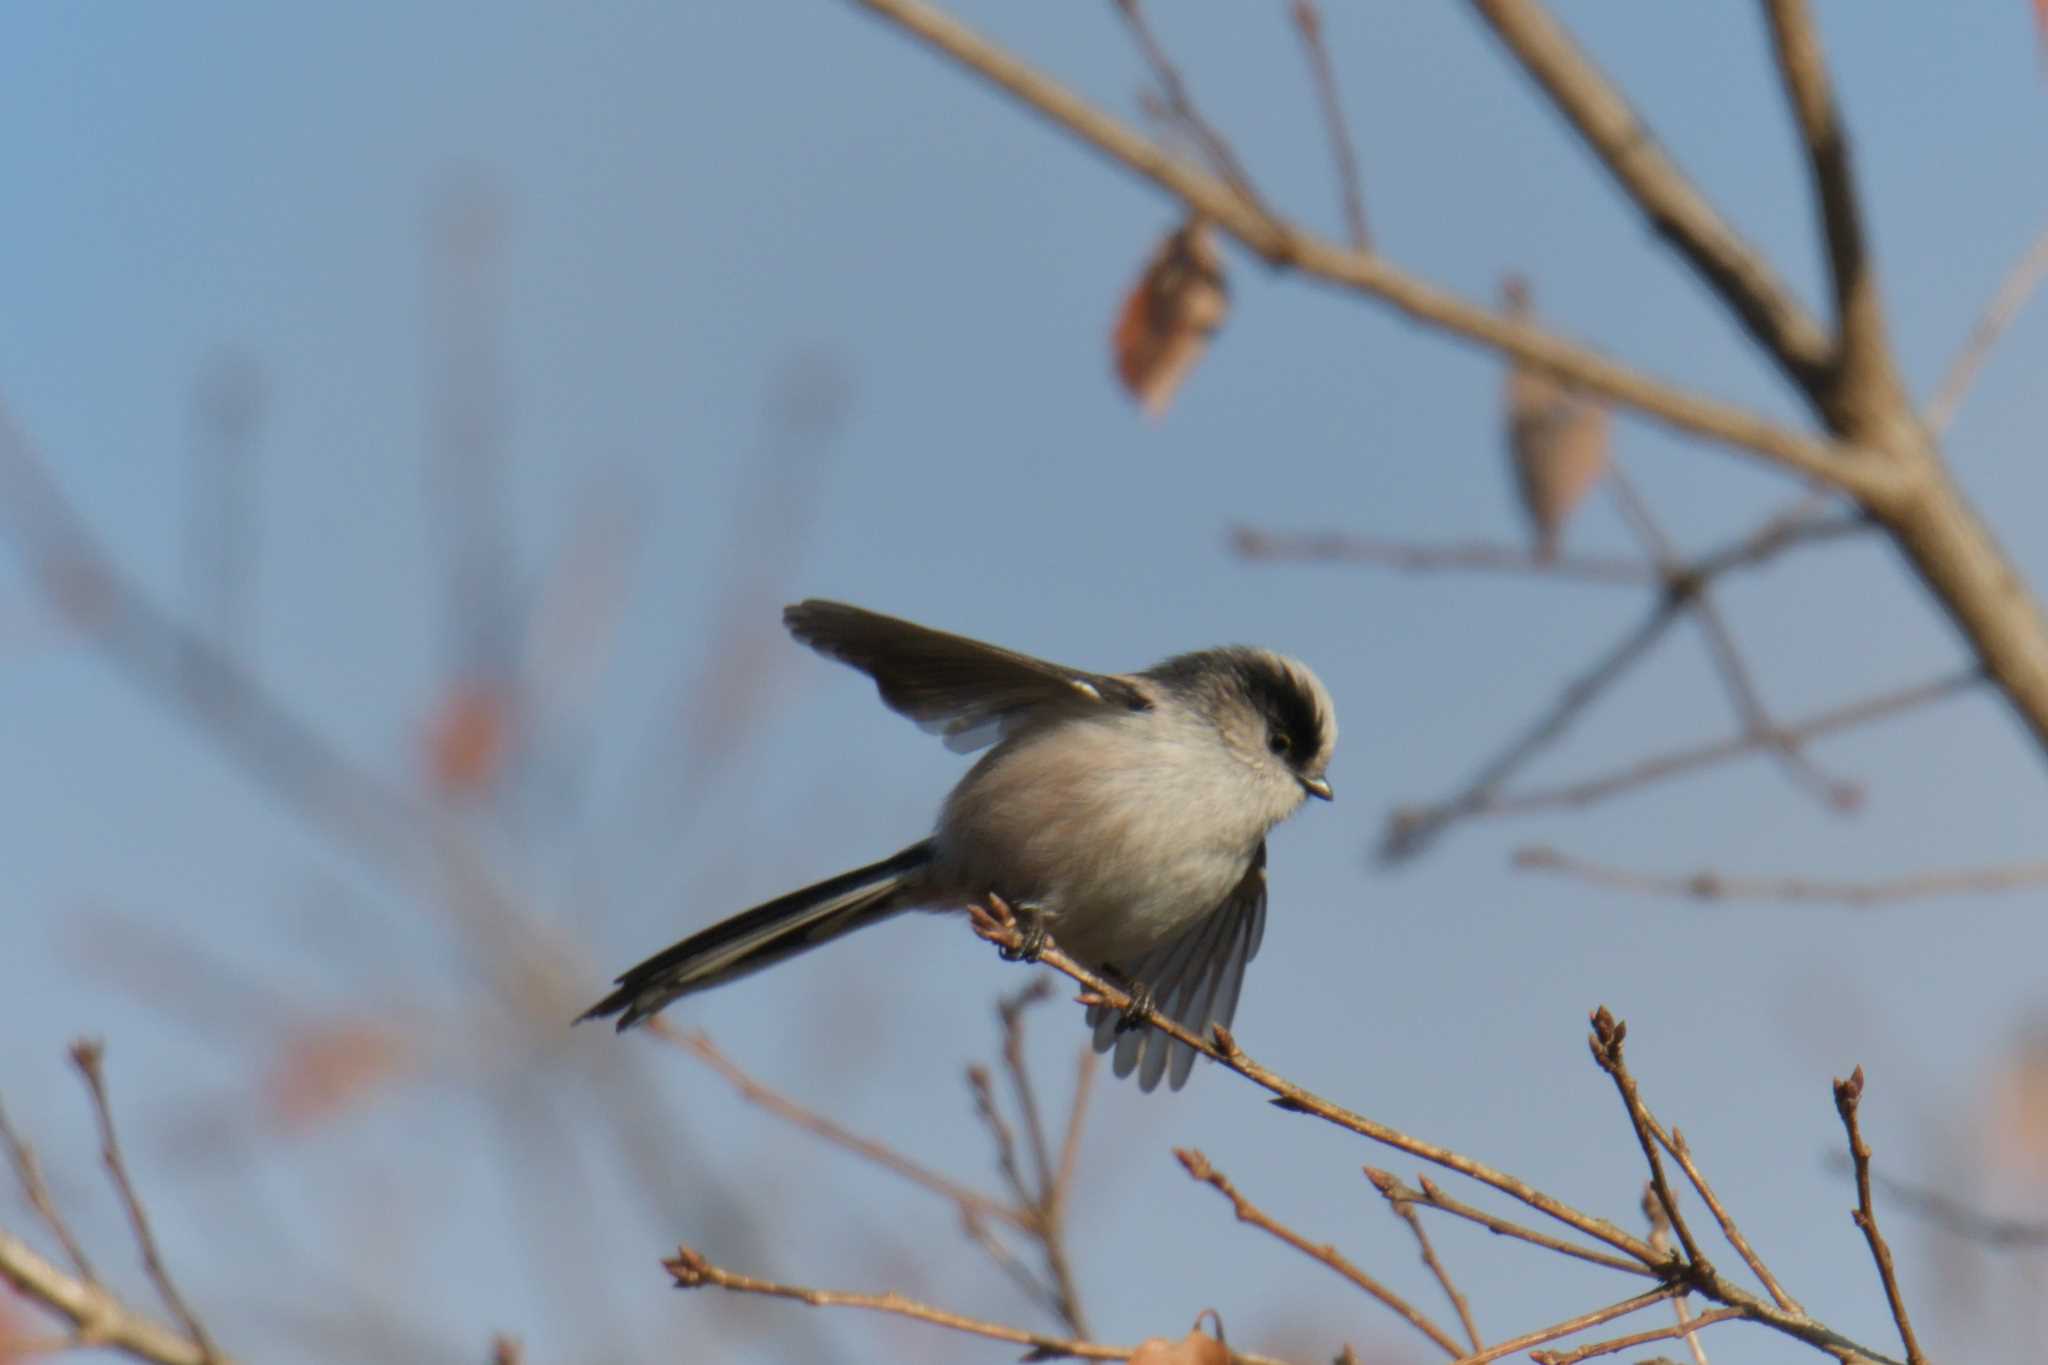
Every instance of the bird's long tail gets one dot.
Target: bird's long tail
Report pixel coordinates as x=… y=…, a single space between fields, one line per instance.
x=765 y=935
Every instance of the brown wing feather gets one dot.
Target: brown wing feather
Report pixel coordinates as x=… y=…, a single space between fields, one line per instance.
x=968 y=691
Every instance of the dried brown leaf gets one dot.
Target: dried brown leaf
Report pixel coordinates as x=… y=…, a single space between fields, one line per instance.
x=1557 y=441
x=1169 y=316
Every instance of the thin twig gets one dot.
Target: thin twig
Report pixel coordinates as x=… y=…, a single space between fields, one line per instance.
x=983 y=1087
x=1682 y=216
x=994 y=923
x=1309 y=23
x=1862 y=357
x=1609 y=1347
x=1181 y=104
x=1046 y=1200
x=1569 y=1326
x=1007 y=1261
x=99 y=1318
x=1682 y=1154
x=1433 y=1196
x=1659 y=767
x=1660 y=1238
x=1282 y=243
x=692 y=1271
x=1070 y=1144
x=700 y=1046
x=1198 y=1166
x=1736 y=679
x=1848 y=1101
x=28 y=1171
x=1011 y=1011
x=1338 y=547
x=1952 y=1215
x=2005 y=304
x=1411 y=829
x=1716 y=886
x=1606 y=1041
x=1404 y=1209
x=85 y=1055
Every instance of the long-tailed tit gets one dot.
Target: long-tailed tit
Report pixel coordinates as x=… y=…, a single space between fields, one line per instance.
x=1125 y=813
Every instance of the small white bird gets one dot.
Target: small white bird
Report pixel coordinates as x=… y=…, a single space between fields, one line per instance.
x=1126 y=814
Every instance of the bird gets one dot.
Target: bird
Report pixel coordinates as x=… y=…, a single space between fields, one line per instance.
x=1557 y=440
x=1125 y=814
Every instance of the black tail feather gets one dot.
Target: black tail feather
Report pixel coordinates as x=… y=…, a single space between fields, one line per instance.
x=763 y=936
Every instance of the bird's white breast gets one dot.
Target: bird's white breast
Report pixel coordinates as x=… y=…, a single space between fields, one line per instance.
x=1125 y=829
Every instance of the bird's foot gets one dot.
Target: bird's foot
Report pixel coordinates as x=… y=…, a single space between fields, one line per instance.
x=1141 y=1002
x=1031 y=933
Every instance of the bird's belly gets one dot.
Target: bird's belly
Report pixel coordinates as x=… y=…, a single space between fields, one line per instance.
x=1120 y=859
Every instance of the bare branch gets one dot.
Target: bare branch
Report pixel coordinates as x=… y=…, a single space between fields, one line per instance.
x=1180 y=104
x=1434 y=1197
x=1308 y=21
x=1606 y=1041
x=28 y=1171
x=1569 y=1326
x=1734 y=672
x=1716 y=886
x=2012 y=295
x=1862 y=372
x=1404 y=1209
x=1284 y=244
x=1411 y=829
x=1682 y=1154
x=1046 y=1201
x=1680 y=214
x=1848 y=1100
x=99 y=1318
x=970 y=1201
x=1848 y=716
x=1952 y=1215
x=1610 y=1346
x=1070 y=1145
x=1198 y=1166
x=1338 y=547
x=85 y=1055
x=995 y=924
x=692 y=1271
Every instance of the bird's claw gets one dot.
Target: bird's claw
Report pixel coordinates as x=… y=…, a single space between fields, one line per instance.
x=1031 y=934
x=1140 y=1005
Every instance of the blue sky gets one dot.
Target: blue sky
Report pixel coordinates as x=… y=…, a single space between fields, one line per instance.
x=698 y=201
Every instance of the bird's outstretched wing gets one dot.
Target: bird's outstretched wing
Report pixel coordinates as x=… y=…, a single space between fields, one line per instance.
x=967 y=691
x=1194 y=981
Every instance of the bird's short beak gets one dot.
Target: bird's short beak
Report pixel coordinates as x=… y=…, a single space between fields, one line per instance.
x=1319 y=788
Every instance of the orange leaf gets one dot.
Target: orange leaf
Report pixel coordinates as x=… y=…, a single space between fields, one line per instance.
x=326 y=1068
x=1169 y=316
x=467 y=739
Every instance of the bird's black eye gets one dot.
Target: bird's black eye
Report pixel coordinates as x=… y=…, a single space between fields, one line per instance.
x=1279 y=743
